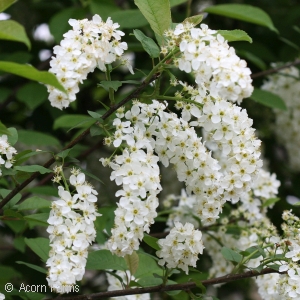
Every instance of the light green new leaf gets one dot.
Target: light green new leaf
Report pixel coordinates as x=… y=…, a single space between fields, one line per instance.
x=195 y=20
x=34 y=267
x=235 y=35
x=157 y=13
x=12 y=136
x=13 y=31
x=32 y=169
x=151 y=241
x=4 y=4
x=243 y=12
x=34 y=203
x=39 y=246
x=231 y=255
x=110 y=85
x=132 y=262
x=270 y=202
x=129 y=18
x=3 y=129
x=32 y=73
x=148 y=44
x=103 y=260
x=176 y=2
x=268 y=99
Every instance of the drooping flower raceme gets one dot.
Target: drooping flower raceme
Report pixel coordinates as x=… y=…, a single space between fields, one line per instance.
x=207 y=55
x=181 y=247
x=88 y=45
x=6 y=153
x=71 y=229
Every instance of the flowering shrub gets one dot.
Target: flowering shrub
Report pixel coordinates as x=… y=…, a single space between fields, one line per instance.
x=182 y=109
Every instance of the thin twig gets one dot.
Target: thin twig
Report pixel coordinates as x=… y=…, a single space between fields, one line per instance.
x=275 y=70
x=172 y=287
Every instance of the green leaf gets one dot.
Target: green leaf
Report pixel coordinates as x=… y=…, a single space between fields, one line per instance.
x=94 y=115
x=13 y=201
x=13 y=31
x=129 y=18
x=195 y=20
x=44 y=190
x=270 y=201
x=58 y=24
x=37 y=219
x=4 y=93
x=147 y=266
x=151 y=241
x=132 y=262
x=107 y=220
x=33 y=168
x=3 y=129
x=148 y=44
x=39 y=246
x=177 y=2
x=19 y=244
x=259 y=252
x=34 y=203
x=200 y=285
x=25 y=155
x=235 y=35
x=104 y=8
x=72 y=121
x=110 y=85
x=150 y=281
x=96 y=130
x=243 y=12
x=12 y=137
x=103 y=260
x=231 y=255
x=157 y=13
x=268 y=99
x=274 y=267
x=4 y=4
x=35 y=138
x=63 y=154
x=31 y=73
x=12 y=213
x=34 y=267
x=32 y=94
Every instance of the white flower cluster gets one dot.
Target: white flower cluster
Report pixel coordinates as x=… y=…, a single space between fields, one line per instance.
x=71 y=229
x=228 y=133
x=286 y=84
x=115 y=284
x=181 y=247
x=288 y=284
x=2 y=296
x=88 y=45
x=207 y=54
x=6 y=153
x=138 y=173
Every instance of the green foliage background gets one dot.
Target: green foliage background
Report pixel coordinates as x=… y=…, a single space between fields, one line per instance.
x=24 y=104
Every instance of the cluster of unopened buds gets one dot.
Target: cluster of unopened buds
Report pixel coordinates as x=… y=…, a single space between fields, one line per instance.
x=71 y=229
x=6 y=153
